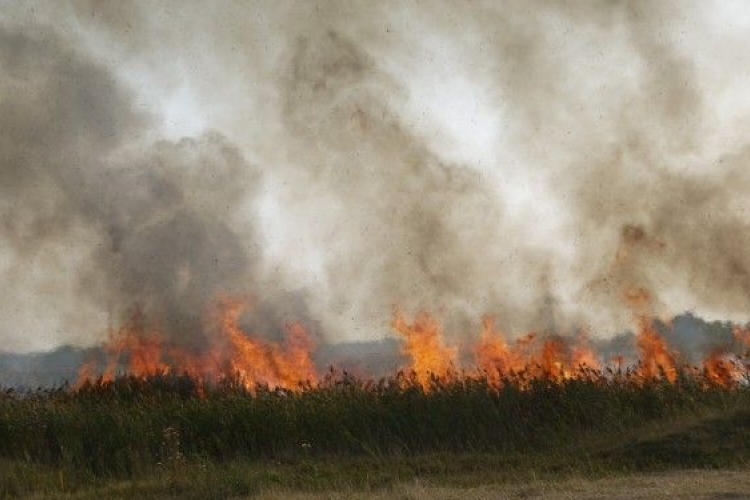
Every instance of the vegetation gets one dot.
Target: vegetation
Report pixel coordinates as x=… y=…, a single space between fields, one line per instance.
x=173 y=435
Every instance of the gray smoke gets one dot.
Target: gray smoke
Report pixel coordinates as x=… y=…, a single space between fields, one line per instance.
x=307 y=175
x=405 y=228
x=164 y=227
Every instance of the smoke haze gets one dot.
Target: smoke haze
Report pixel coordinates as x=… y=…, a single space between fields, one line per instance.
x=537 y=161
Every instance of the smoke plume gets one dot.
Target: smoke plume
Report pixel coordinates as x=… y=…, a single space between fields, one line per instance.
x=319 y=159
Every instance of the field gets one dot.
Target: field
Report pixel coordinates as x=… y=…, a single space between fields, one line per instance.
x=168 y=436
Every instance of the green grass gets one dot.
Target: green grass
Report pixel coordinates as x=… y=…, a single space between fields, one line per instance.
x=158 y=438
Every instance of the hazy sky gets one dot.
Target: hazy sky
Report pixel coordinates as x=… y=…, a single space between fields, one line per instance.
x=532 y=160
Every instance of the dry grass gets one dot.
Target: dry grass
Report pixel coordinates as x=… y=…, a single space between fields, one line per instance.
x=155 y=439
x=688 y=484
x=685 y=484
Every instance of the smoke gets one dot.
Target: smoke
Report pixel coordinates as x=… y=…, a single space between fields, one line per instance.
x=61 y=115
x=404 y=227
x=163 y=226
x=169 y=218
x=648 y=192
x=314 y=157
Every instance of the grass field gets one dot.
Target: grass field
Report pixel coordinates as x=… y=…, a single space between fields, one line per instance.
x=167 y=436
x=687 y=483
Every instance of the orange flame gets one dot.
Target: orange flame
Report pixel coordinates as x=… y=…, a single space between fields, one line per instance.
x=140 y=351
x=260 y=362
x=582 y=354
x=493 y=355
x=719 y=368
x=551 y=359
x=656 y=359
x=424 y=345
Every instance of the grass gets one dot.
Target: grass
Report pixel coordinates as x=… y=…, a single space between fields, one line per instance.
x=169 y=437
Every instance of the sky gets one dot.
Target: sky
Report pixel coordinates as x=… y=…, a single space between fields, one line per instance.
x=328 y=161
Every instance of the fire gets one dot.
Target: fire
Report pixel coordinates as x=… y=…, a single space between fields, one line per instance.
x=583 y=356
x=721 y=369
x=260 y=362
x=656 y=359
x=136 y=348
x=423 y=344
x=552 y=359
x=141 y=349
x=493 y=355
x=552 y=362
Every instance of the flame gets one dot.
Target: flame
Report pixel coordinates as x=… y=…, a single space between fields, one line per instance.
x=140 y=351
x=494 y=356
x=721 y=369
x=552 y=359
x=583 y=355
x=260 y=362
x=552 y=362
x=656 y=359
x=423 y=344
x=139 y=348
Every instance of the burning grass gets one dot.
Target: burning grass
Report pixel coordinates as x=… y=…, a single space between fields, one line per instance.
x=119 y=426
x=533 y=405
x=234 y=354
x=174 y=436
x=184 y=438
